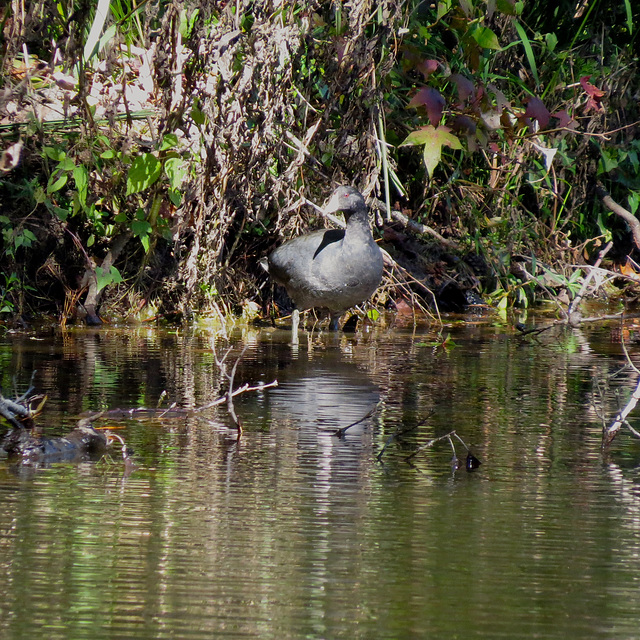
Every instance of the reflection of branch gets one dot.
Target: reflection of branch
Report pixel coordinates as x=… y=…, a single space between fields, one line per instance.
x=399 y=433
x=429 y=444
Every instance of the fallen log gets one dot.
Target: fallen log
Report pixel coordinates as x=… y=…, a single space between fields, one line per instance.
x=83 y=443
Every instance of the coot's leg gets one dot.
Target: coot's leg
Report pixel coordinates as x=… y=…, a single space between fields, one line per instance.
x=295 y=320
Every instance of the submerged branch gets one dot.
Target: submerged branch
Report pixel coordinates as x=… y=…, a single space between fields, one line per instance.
x=610 y=432
x=341 y=432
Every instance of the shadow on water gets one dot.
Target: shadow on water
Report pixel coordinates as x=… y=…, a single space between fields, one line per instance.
x=293 y=532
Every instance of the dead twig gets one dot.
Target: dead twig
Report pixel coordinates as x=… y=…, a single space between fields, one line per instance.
x=243 y=389
x=18 y=412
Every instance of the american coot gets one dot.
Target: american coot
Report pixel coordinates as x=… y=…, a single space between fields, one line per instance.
x=331 y=268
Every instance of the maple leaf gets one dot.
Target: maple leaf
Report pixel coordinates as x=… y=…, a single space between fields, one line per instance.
x=464 y=124
x=594 y=94
x=464 y=86
x=537 y=111
x=427 y=67
x=432 y=101
x=433 y=139
x=564 y=119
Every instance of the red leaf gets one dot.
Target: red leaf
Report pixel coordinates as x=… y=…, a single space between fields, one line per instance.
x=590 y=89
x=501 y=100
x=563 y=118
x=464 y=123
x=427 y=67
x=537 y=111
x=464 y=86
x=594 y=95
x=432 y=101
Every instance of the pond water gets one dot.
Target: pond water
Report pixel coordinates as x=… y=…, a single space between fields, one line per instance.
x=292 y=532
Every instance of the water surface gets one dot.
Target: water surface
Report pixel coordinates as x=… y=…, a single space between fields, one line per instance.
x=292 y=532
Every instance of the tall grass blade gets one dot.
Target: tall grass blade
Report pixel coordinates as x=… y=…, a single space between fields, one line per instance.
x=528 y=51
x=627 y=6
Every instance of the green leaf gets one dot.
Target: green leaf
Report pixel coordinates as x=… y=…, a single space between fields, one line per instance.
x=506 y=6
x=420 y=136
x=443 y=9
x=81 y=178
x=433 y=139
x=109 y=154
x=175 y=197
x=627 y=8
x=551 y=40
x=56 y=185
x=144 y=171
x=486 y=38
x=140 y=227
x=105 y=278
x=66 y=164
x=169 y=141
x=54 y=153
x=39 y=195
x=107 y=37
x=198 y=116
x=142 y=230
x=176 y=170
x=63 y=214
x=186 y=23
x=607 y=162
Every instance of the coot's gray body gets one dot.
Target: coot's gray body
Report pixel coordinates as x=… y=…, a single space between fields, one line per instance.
x=334 y=268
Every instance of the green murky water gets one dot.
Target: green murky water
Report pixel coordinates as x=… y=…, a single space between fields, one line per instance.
x=294 y=533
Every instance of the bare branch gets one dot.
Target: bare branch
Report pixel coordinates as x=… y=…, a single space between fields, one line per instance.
x=627 y=216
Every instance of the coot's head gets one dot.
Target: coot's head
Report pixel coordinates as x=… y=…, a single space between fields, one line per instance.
x=346 y=199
